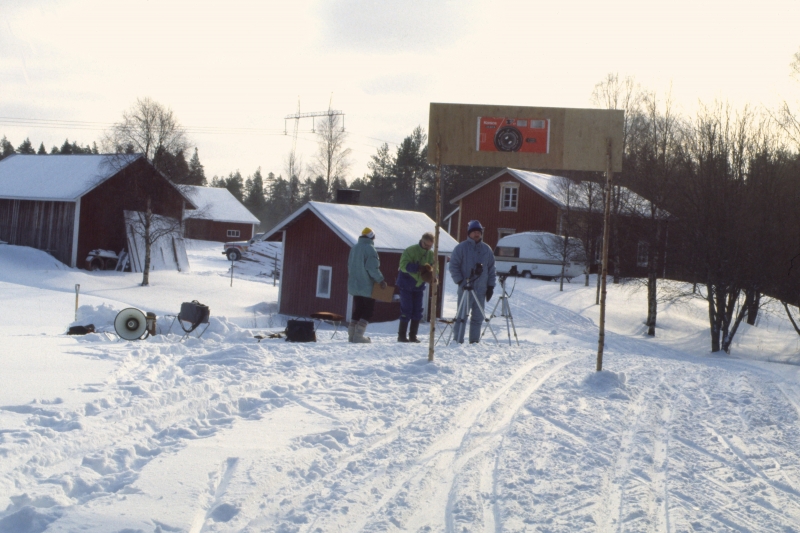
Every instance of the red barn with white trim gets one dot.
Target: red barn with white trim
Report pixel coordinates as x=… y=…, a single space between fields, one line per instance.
x=317 y=240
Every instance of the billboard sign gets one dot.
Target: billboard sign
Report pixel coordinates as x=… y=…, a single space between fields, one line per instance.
x=536 y=138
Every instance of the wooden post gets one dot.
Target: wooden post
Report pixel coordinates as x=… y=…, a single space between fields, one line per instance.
x=458 y=228
x=604 y=268
x=77 y=291
x=435 y=284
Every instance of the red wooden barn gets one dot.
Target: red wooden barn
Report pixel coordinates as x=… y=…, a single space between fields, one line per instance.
x=317 y=240
x=219 y=216
x=512 y=201
x=68 y=205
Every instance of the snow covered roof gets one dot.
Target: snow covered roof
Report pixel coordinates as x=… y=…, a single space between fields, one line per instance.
x=57 y=177
x=395 y=229
x=547 y=186
x=218 y=204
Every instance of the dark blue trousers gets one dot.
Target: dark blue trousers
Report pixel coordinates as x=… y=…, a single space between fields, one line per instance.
x=411 y=305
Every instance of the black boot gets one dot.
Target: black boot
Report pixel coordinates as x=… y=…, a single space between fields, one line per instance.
x=401 y=333
x=412 y=333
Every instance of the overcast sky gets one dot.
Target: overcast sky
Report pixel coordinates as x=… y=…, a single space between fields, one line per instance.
x=231 y=70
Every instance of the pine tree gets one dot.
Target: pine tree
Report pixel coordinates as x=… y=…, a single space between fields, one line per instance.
x=197 y=175
x=174 y=166
x=6 y=148
x=409 y=166
x=26 y=147
x=66 y=148
x=254 y=198
x=380 y=180
x=319 y=190
x=42 y=150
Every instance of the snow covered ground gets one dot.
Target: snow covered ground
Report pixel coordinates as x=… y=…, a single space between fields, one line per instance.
x=224 y=433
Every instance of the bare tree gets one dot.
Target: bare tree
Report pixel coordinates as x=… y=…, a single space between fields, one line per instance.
x=151 y=129
x=654 y=157
x=566 y=248
x=713 y=193
x=624 y=94
x=147 y=128
x=332 y=159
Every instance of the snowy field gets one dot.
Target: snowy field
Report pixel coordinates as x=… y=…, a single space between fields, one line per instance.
x=224 y=433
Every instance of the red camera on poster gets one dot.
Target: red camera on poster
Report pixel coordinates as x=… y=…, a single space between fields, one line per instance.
x=498 y=134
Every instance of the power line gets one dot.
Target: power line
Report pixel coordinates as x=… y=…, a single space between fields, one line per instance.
x=84 y=125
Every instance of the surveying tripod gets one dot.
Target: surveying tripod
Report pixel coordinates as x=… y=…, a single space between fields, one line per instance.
x=467 y=297
x=505 y=311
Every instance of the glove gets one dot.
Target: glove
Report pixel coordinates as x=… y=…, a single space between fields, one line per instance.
x=383 y=284
x=489 y=293
x=412 y=268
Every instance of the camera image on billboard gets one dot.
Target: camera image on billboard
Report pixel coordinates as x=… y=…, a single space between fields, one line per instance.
x=500 y=134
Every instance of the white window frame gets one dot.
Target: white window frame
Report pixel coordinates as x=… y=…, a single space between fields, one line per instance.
x=234 y=233
x=320 y=270
x=514 y=201
x=642 y=254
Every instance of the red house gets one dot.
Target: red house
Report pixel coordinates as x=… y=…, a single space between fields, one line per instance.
x=68 y=205
x=317 y=240
x=219 y=216
x=512 y=201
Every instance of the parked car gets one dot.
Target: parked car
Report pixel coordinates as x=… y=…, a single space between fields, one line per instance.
x=538 y=254
x=235 y=250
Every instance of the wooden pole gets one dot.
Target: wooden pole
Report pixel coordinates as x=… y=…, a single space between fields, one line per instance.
x=77 y=291
x=604 y=268
x=435 y=284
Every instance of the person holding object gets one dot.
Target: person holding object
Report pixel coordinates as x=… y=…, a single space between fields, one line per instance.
x=464 y=268
x=363 y=272
x=416 y=269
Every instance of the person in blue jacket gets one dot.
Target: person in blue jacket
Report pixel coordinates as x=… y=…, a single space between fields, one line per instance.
x=363 y=272
x=463 y=261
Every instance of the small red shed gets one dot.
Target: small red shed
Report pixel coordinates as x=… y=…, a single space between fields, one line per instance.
x=219 y=216
x=317 y=239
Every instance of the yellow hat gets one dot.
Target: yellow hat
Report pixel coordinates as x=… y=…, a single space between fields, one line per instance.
x=367 y=232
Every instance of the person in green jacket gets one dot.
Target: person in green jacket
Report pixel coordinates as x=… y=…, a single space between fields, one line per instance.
x=363 y=272
x=416 y=268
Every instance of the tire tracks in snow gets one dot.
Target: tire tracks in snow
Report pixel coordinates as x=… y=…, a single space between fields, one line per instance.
x=431 y=479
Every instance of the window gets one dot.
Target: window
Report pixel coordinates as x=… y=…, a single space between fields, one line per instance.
x=233 y=233
x=642 y=253
x=506 y=251
x=504 y=232
x=509 y=197
x=324 y=281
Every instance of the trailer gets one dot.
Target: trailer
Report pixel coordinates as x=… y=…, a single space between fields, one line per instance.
x=538 y=254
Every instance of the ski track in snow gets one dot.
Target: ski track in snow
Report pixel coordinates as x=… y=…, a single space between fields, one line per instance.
x=485 y=439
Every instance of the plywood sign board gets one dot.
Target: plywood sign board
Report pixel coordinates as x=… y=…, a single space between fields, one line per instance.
x=541 y=138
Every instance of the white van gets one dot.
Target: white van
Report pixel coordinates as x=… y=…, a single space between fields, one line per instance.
x=538 y=254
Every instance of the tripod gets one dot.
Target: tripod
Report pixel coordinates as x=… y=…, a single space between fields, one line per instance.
x=467 y=297
x=505 y=311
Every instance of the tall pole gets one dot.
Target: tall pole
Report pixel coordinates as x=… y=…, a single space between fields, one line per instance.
x=435 y=284
x=604 y=268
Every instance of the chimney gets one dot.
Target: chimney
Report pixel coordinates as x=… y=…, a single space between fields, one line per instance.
x=348 y=196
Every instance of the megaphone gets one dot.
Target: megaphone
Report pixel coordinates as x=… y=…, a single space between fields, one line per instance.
x=130 y=324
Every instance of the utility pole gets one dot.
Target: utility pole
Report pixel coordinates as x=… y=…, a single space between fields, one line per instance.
x=297 y=116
